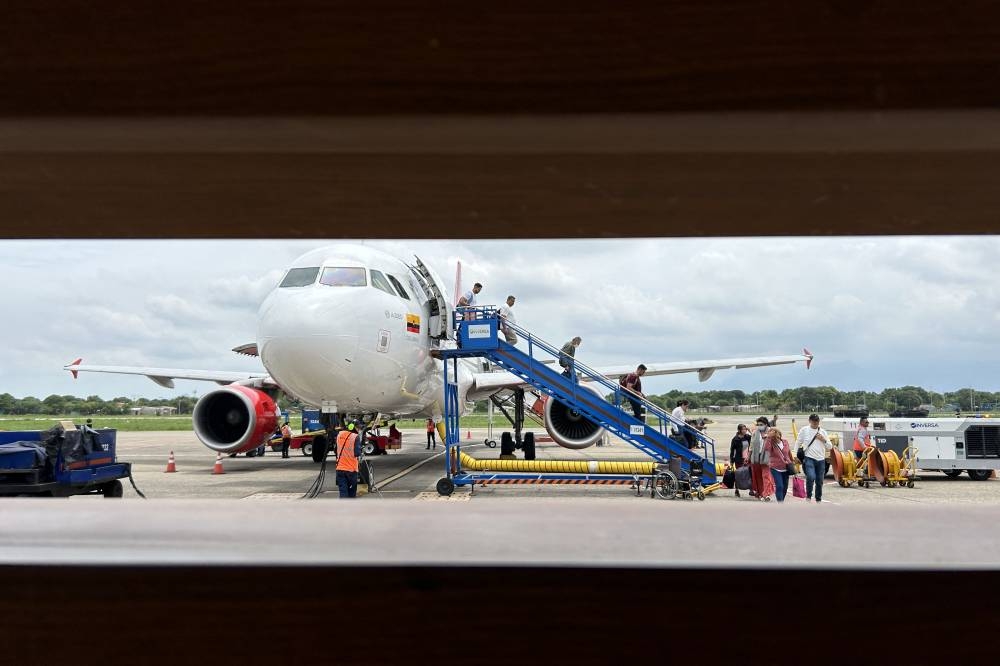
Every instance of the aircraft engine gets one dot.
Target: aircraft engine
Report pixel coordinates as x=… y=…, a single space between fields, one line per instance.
x=234 y=419
x=569 y=428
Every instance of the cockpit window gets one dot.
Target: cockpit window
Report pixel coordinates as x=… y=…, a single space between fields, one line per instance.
x=379 y=282
x=398 y=286
x=334 y=276
x=300 y=277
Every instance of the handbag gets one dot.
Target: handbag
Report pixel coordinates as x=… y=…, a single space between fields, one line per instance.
x=798 y=487
x=729 y=478
x=801 y=453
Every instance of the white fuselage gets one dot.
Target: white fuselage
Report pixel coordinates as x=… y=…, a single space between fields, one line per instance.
x=341 y=341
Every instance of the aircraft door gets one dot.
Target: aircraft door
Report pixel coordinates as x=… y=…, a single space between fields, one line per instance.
x=439 y=325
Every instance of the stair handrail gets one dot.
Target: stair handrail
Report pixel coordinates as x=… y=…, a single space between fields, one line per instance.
x=484 y=312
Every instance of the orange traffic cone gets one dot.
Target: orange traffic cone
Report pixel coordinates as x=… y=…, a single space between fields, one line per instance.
x=468 y=434
x=171 y=467
x=218 y=465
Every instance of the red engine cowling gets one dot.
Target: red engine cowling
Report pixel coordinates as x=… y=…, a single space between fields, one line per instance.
x=233 y=419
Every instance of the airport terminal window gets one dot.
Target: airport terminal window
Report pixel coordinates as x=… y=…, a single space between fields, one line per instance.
x=300 y=277
x=379 y=282
x=398 y=286
x=335 y=276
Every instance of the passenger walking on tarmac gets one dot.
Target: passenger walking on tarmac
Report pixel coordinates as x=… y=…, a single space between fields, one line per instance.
x=761 y=482
x=739 y=448
x=816 y=443
x=286 y=439
x=348 y=450
x=862 y=438
x=506 y=313
x=679 y=413
x=779 y=460
x=468 y=300
x=632 y=383
x=430 y=434
x=567 y=357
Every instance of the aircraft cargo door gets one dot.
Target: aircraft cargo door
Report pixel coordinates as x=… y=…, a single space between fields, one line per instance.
x=439 y=326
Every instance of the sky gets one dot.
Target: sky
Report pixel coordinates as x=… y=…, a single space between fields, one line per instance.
x=876 y=312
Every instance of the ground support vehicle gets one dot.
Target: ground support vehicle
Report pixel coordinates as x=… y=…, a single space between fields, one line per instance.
x=60 y=463
x=949 y=445
x=375 y=442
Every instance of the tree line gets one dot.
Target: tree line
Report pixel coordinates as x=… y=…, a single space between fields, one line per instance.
x=823 y=398
x=57 y=405
x=801 y=399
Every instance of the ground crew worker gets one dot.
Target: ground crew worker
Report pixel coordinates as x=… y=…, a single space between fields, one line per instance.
x=862 y=438
x=348 y=450
x=430 y=434
x=286 y=439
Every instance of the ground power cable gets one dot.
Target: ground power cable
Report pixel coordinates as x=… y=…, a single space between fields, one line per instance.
x=132 y=481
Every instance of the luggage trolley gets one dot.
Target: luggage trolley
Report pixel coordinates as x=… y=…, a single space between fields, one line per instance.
x=61 y=463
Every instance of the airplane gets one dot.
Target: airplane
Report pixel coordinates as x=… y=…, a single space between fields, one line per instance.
x=353 y=330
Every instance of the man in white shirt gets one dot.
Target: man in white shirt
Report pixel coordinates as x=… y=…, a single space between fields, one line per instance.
x=468 y=300
x=506 y=313
x=679 y=412
x=816 y=443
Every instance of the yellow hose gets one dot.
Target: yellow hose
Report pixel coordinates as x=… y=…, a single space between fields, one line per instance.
x=559 y=466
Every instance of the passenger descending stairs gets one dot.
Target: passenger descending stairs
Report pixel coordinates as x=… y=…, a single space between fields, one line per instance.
x=651 y=439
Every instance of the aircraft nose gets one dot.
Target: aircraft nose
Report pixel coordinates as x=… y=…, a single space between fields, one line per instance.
x=306 y=342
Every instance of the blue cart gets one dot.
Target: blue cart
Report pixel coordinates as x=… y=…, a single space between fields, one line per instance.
x=56 y=463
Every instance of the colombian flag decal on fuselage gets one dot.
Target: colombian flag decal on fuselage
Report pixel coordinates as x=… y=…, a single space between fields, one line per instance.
x=412 y=323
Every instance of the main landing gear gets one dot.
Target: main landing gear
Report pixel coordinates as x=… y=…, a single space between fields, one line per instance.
x=511 y=442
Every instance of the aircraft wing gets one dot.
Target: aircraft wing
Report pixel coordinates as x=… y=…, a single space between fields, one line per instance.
x=486 y=383
x=166 y=376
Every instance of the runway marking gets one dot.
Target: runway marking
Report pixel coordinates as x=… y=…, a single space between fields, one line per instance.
x=433 y=496
x=398 y=475
x=273 y=496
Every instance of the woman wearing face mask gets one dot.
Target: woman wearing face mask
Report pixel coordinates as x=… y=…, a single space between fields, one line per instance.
x=760 y=463
x=780 y=461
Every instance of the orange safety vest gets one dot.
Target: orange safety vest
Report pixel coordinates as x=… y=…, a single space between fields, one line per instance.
x=430 y=426
x=858 y=444
x=346 y=460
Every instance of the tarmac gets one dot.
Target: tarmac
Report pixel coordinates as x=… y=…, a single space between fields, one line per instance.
x=253 y=514
x=411 y=472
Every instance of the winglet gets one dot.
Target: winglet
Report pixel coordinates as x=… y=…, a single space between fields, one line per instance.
x=809 y=357
x=73 y=365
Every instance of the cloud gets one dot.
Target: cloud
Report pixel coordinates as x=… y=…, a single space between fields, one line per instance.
x=874 y=310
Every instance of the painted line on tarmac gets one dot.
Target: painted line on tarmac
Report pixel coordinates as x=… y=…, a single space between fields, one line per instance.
x=399 y=475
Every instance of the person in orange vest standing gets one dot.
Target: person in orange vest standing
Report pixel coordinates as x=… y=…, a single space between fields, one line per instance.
x=348 y=450
x=430 y=434
x=862 y=438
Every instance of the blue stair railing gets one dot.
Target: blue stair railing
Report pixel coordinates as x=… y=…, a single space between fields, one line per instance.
x=655 y=441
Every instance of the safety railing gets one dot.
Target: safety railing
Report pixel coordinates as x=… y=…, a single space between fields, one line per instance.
x=536 y=368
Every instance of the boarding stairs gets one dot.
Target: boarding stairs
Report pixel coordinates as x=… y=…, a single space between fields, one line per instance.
x=476 y=333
